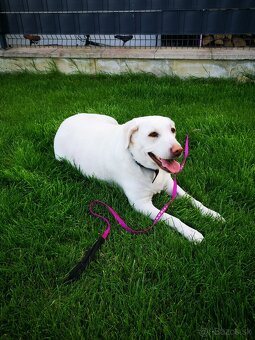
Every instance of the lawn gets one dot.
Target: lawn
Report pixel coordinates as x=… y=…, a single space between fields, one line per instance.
x=141 y=287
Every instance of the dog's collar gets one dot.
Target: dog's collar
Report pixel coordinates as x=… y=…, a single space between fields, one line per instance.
x=144 y=167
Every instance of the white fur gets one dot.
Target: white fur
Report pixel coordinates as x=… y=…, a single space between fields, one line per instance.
x=100 y=147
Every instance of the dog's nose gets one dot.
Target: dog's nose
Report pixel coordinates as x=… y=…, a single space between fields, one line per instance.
x=176 y=150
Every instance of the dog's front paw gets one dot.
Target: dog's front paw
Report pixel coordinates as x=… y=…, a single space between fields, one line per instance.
x=208 y=212
x=217 y=216
x=194 y=236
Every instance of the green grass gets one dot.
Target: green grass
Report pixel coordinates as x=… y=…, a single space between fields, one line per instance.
x=148 y=287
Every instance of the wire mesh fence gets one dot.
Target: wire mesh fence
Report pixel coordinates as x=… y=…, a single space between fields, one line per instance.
x=87 y=40
x=96 y=40
x=131 y=41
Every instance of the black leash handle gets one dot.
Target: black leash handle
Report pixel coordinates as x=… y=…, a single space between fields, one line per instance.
x=79 y=268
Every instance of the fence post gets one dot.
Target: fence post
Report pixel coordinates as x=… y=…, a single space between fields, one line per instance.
x=3 y=42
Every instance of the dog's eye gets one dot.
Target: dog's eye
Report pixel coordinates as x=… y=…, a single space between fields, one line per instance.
x=173 y=130
x=153 y=134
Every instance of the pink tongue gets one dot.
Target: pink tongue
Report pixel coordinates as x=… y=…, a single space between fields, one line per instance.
x=172 y=166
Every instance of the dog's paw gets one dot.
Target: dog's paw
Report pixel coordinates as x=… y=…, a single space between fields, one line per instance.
x=194 y=236
x=218 y=217
x=211 y=213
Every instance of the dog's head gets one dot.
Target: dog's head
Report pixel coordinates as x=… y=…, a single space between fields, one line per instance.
x=152 y=142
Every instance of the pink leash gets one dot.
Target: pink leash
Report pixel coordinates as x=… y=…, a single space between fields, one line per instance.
x=90 y=254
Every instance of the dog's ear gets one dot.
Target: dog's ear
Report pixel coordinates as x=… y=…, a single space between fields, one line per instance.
x=129 y=129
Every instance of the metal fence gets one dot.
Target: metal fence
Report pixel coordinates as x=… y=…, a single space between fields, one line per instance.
x=127 y=23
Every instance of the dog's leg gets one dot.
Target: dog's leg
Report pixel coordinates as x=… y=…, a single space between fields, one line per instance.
x=181 y=193
x=147 y=208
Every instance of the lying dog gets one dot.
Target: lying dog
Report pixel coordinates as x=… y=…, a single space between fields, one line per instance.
x=138 y=156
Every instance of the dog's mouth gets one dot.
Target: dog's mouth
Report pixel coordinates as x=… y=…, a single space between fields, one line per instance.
x=169 y=165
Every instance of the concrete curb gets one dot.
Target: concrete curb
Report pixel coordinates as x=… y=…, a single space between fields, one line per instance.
x=181 y=62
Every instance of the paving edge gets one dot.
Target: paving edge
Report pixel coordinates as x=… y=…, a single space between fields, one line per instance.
x=131 y=53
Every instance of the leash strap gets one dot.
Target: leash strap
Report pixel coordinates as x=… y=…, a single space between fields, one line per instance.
x=77 y=270
x=123 y=223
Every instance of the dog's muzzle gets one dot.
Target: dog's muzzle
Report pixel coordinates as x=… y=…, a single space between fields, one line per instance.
x=169 y=165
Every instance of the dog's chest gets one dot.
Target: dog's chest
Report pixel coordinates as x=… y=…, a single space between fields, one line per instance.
x=159 y=183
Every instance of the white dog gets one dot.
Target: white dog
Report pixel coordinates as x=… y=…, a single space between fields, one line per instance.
x=138 y=156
